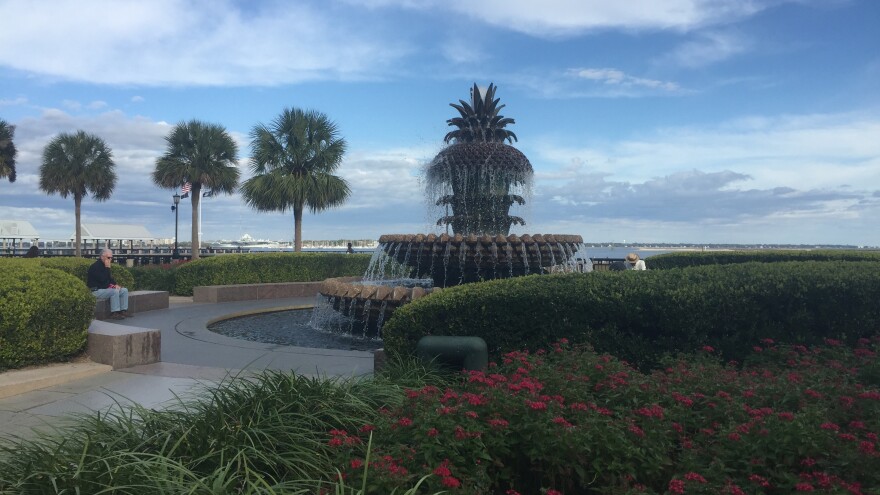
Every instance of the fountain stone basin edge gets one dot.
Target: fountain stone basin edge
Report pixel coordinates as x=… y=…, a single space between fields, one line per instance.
x=368 y=302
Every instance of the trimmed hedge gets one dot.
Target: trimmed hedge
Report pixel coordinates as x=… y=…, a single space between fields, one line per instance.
x=640 y=316
x=154 y=277
x=44 y=314
x=694 y=258
x=79 y=268
x=231 y=269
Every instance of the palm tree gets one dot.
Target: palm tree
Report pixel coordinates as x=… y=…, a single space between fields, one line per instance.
x=293 y=163
x=7 y=151
x=478 y=175
x=77 y=165
x=204 y=155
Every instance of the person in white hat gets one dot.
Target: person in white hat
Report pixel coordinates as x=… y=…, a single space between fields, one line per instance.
x=634 y=263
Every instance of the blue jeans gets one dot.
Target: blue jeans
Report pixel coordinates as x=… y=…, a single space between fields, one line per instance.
x=118 y=298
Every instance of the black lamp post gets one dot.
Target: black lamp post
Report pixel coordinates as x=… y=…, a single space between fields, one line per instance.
x=176 y=254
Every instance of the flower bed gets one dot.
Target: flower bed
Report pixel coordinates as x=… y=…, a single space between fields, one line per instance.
x=791 y=419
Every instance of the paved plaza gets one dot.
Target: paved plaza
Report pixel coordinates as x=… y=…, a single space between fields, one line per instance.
x=192 y=358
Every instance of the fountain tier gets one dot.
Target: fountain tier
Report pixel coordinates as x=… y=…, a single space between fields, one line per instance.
x=453 y=260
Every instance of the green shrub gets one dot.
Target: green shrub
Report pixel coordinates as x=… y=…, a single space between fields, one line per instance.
x=230 y=269
x=691 y=258
x=79 y=267
x=44 y=314
x=154 y=277
x=639 y=316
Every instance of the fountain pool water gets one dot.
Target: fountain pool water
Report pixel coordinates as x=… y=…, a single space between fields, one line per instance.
x=290 y=327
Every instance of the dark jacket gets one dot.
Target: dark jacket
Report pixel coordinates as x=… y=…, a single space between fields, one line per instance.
x=99 y=276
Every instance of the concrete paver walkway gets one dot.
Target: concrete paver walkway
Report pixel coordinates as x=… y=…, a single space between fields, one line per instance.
x=192 y=358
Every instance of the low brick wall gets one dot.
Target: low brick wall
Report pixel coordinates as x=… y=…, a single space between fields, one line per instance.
x=248 y=292
x=123 y=346
x=138 y=302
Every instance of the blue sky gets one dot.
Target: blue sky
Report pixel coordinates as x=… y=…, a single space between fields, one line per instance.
x=701 y=121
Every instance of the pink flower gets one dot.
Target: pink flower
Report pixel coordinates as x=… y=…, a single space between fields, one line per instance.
x=443 y=469
x=759 y=480
x=559 y=420
x=512 y=492
x=786 y=416
x=433 y=432
x=734 y=437
x=708 y=348
x=732 y=489
x=636 y=430
x=676 y=486
x=694 y=477
x=536 y=405
x=356 y=463
x=803 y=487
x=829 y=426
x=553 y=492
x=498 y=423
x=449 y=481
x=405 y=422
x=812 y=393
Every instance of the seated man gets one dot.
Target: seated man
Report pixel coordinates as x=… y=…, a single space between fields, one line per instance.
x=103 y=286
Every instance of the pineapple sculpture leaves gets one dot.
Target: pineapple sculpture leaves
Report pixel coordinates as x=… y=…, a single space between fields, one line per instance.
x=479 y=121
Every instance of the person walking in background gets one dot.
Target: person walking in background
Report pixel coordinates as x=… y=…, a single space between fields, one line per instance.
x=33 y=252
x=102 y=285
x=634 y=263
x=350 y=249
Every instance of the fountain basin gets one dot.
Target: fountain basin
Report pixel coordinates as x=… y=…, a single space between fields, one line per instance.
x=363 y=306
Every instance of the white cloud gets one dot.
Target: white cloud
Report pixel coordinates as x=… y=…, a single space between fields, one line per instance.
x=707 y=49
x=561 y=18
x=137 y=99
x=617 y=78
x=819 y=170
x=176 y=42
x=4 y=102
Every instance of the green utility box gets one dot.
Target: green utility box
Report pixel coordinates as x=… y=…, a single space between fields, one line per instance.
x=468 y=353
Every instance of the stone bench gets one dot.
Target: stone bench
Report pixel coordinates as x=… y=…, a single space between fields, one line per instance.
x=249 y=292
x=123 y=346
x=138 y=302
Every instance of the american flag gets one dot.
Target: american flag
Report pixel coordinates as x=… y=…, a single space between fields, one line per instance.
x=186 y=188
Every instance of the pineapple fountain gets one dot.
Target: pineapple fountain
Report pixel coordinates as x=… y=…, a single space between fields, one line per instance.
x=476 y=180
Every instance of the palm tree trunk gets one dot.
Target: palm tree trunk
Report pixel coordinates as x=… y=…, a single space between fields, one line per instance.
x=77 y=208
x=297 y=228
x=195 y=198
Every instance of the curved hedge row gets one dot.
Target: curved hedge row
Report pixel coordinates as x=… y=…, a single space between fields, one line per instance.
x=701 y=258
x=79 y=268
x=639 y=316
x=44 y=314
x=229 y=269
